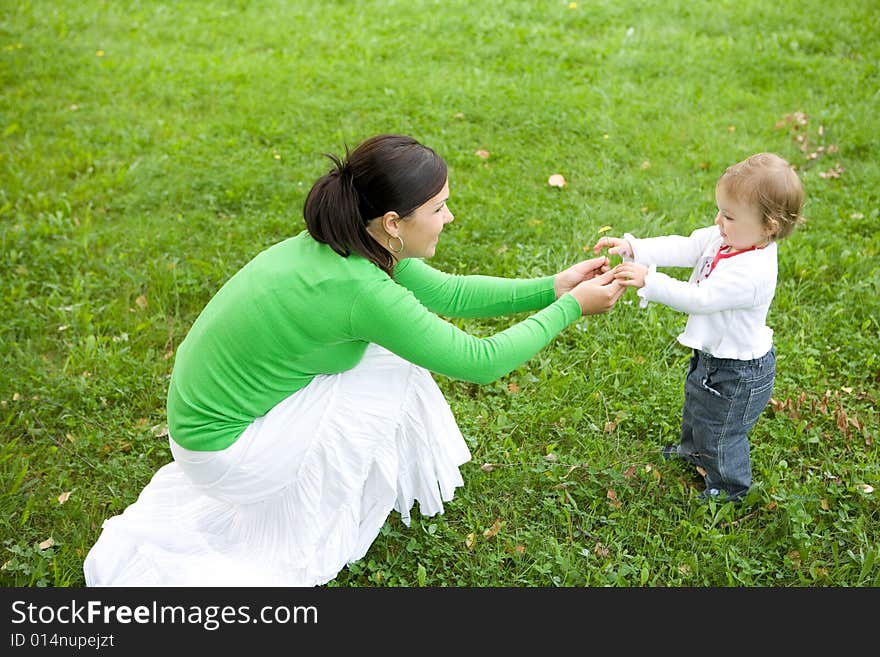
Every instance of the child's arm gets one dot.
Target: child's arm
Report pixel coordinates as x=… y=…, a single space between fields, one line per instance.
x=666 y=251
x=728 y=288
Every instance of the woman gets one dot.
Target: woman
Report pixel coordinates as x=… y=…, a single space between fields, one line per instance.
x=301 y=408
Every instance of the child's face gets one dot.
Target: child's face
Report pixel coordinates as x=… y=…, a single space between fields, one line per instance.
x=740 y=223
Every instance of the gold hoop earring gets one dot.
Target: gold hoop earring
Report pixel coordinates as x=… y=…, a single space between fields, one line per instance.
x=392 y=249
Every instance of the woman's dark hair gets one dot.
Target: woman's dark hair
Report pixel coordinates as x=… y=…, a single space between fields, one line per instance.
x=384 y=173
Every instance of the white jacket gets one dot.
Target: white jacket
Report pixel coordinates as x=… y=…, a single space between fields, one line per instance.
x=727 y=310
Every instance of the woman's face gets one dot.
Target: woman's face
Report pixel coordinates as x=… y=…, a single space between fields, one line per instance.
x=420 y=230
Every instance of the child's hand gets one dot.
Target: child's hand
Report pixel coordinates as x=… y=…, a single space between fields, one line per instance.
x=617 y=246
x=630 y=273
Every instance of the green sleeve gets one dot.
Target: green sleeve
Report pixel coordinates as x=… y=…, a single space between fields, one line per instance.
x=473 y=296
x=391 y=316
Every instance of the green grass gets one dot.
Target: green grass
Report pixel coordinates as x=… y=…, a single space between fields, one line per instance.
x=148 y=150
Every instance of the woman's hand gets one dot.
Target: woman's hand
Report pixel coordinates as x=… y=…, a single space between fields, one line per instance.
x=585 y=270
x=615 y=245
x=630 y=274
x=598 y=294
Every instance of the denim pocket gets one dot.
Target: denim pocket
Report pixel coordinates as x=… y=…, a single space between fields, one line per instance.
x=722 y=382
x=758 y=399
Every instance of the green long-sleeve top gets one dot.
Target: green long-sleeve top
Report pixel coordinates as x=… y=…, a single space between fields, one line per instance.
x=298 y=309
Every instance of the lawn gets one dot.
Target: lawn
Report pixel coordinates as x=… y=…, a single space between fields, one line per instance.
x=150 y=149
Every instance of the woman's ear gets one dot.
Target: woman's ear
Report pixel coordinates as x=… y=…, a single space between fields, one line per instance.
x=391 y=223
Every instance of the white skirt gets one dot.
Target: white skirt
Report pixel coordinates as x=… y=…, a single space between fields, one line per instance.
x=302 y=493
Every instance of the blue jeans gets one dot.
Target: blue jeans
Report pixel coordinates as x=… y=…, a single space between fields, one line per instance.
x=723 y=399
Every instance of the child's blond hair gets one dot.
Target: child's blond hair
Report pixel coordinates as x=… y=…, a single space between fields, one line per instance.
x=770 y=184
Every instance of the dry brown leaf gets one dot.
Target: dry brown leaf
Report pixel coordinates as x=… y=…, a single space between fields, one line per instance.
x=494 y=529
x=645 y=165
x=469 y=540
x=556 y=180
x=482 y=153
x=611 y=494
x=487 y=467
x=824 y=504
x=610 y=425
x=512 y=387
x=49 y=542
x=865 y=488
x=141 y=301
x=840 y=417
x=629 y=472
x=701 y=471
x=601 y=551
x=160 y=430
x=832 y=173
x=63 y=497
x=520 y=548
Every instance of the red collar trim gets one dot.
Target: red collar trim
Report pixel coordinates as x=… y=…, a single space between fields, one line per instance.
x=721 y=255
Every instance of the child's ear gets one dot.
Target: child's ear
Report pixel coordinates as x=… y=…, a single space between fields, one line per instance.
x=771 y=227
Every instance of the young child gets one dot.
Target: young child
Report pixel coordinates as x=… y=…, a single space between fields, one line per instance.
x=733 y=368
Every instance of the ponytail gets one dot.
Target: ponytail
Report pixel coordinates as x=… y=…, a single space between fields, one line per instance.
x=333 y=216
